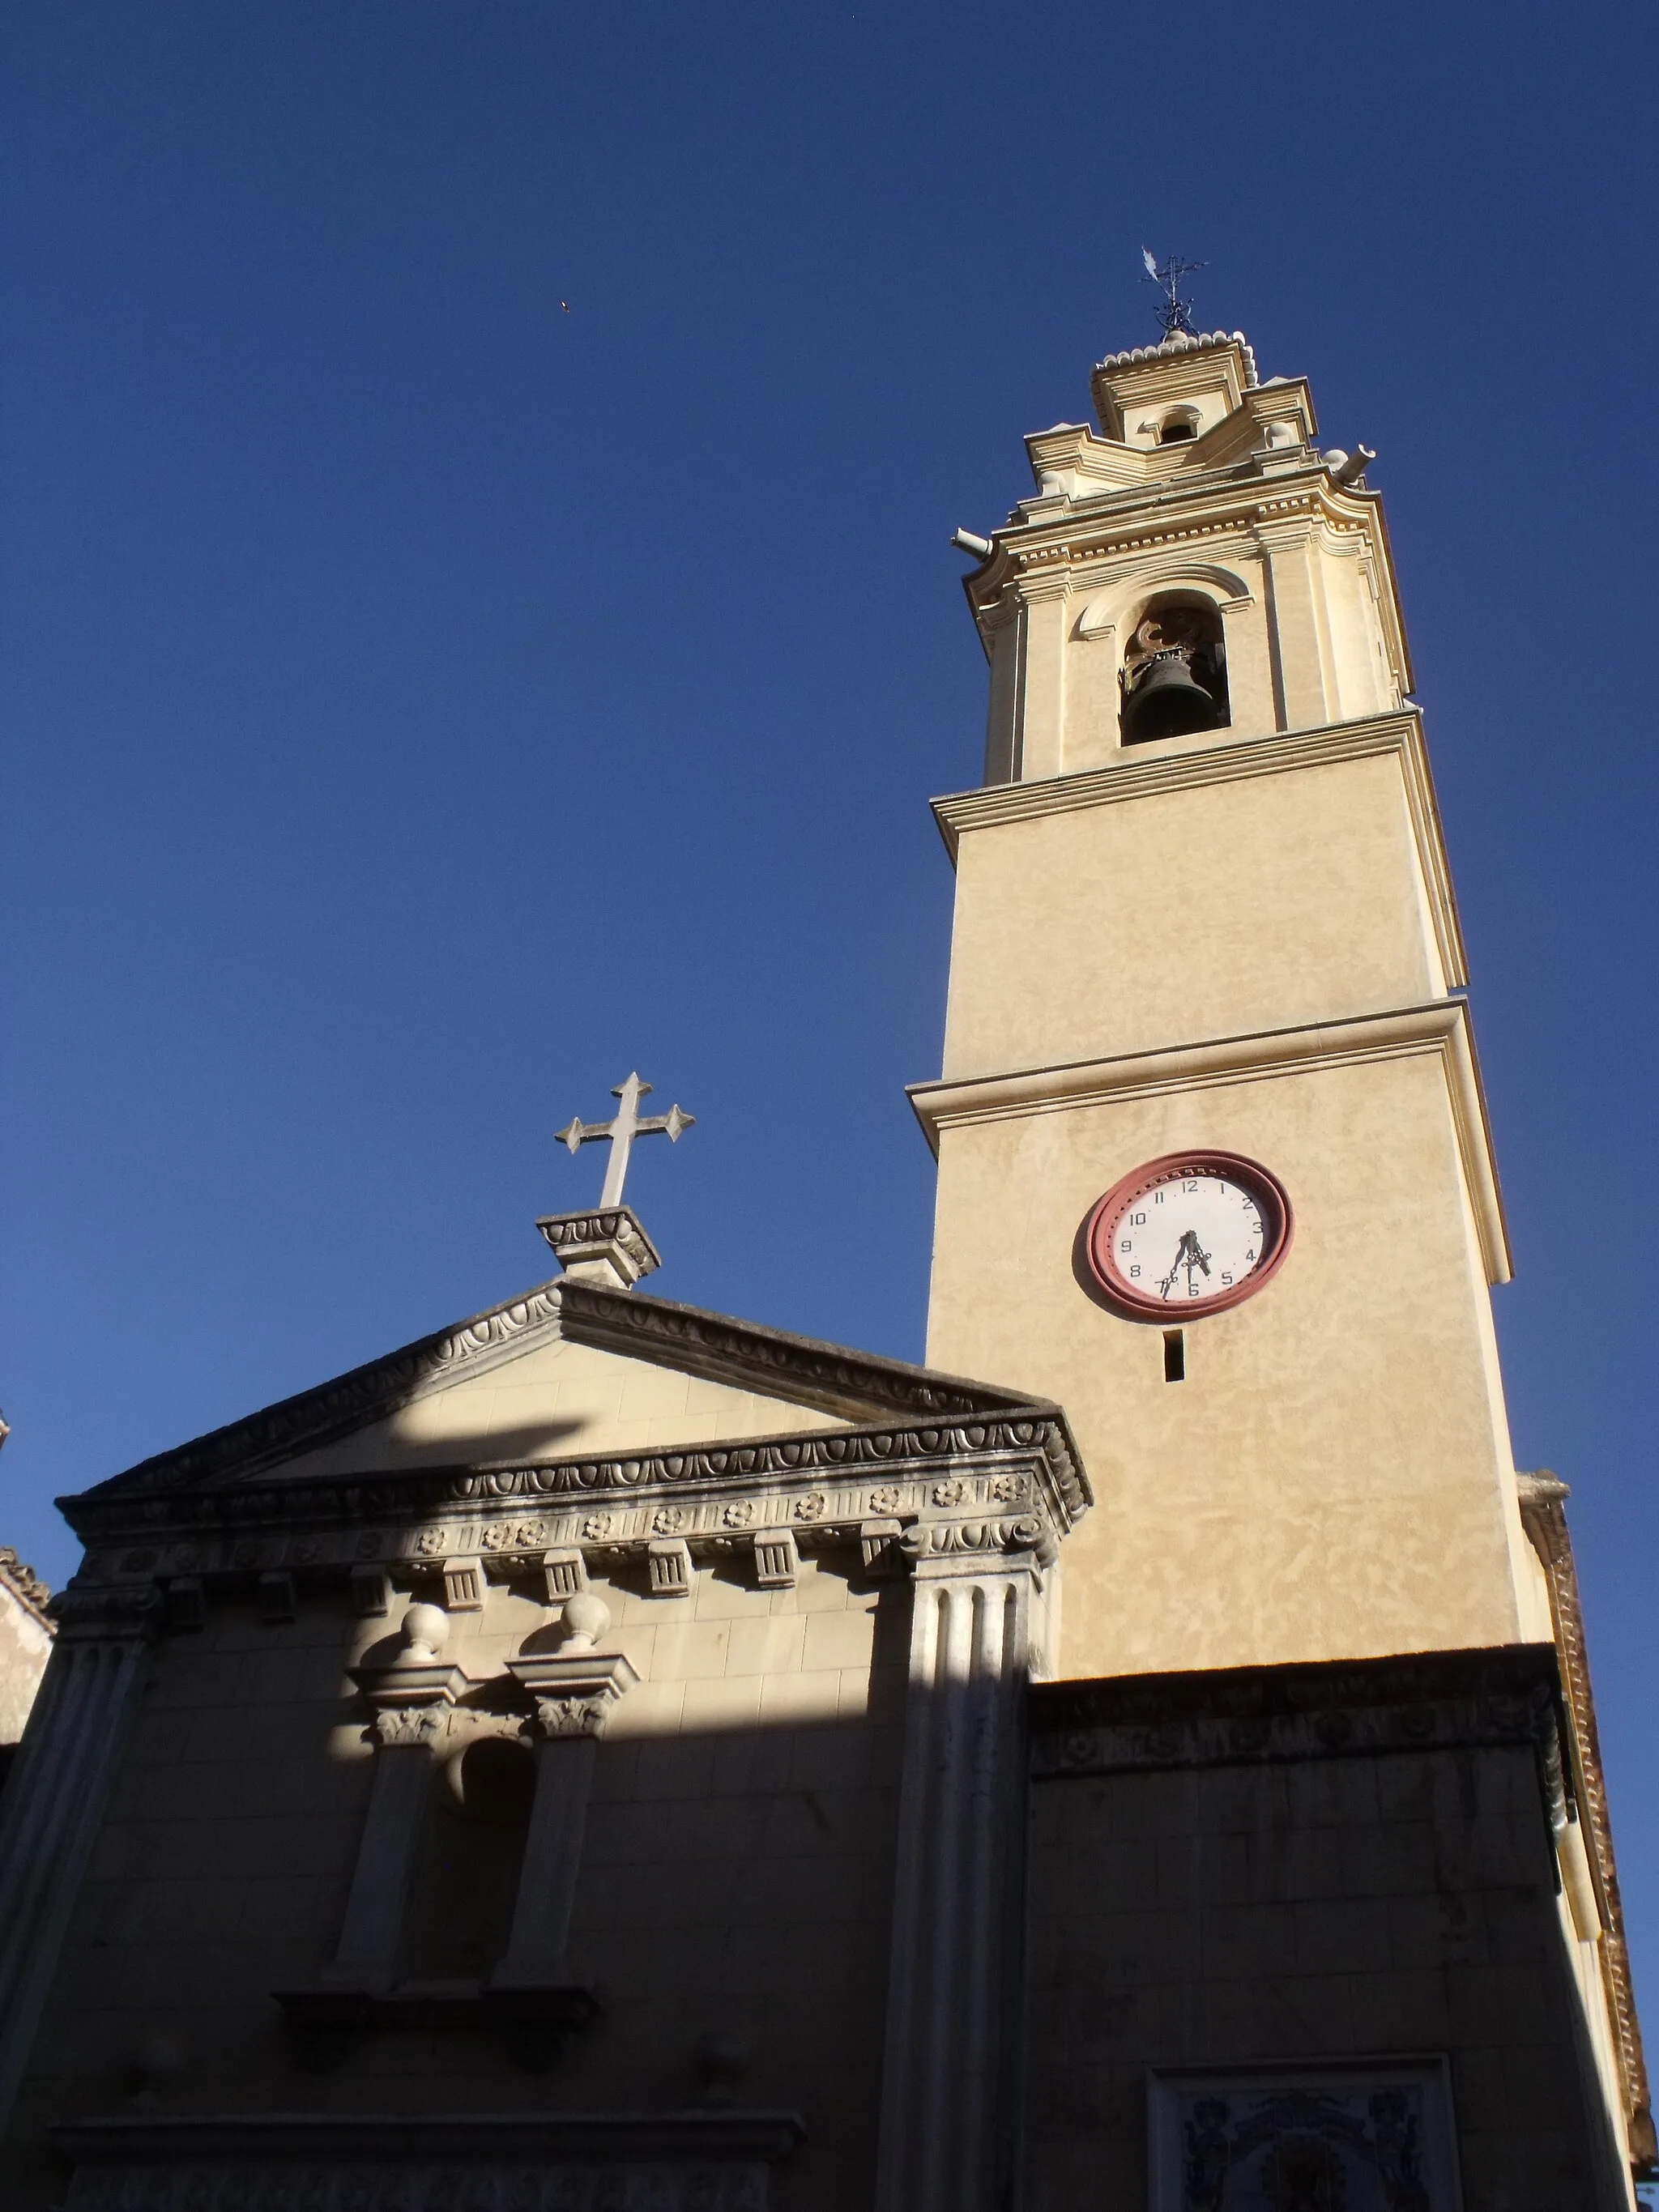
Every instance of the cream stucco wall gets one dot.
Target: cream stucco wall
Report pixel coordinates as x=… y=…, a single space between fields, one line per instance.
x=556 y=1399
x=25 y=1647
x=1130 y=915
x=1333 y=1478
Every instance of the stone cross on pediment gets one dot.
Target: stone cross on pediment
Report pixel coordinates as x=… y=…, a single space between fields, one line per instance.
x=625 y=1125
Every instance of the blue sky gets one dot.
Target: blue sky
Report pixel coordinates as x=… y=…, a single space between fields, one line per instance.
x=423 y=703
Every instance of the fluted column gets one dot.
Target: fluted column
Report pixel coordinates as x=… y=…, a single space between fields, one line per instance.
x=950 y=2087
x=55 y=1797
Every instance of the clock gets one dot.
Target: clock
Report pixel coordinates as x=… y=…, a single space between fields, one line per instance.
x=1192 y=1233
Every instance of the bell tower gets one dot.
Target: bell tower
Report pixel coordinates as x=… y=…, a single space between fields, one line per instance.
x=1204 y=994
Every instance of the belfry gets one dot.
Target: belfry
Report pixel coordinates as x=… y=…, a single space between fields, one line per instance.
x=609 y=1756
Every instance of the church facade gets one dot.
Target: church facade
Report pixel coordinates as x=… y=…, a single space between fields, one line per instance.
x=610 y=1755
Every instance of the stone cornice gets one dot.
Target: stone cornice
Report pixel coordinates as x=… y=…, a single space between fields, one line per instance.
x=348 y=1402
x=1221 y=503
x=1205 y=761
x=1543 y=1515
x=1440 y=1028
x=716 y=1499
x=854 y=1385
x=1174 y=349
x=834 y=1378
x=1323 y=1708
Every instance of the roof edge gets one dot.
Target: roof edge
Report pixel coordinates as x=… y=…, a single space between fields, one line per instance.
x=804 y=1371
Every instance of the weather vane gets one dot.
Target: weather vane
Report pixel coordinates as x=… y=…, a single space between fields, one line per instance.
x=1173 y=310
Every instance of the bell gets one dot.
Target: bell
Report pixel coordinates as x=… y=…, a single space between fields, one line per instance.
x=1167 y=701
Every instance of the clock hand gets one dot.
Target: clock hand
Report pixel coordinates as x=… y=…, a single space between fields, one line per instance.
x=1188 y=1255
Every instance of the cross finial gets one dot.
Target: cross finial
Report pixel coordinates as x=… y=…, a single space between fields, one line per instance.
x=1173 y=312
x=625 y=1125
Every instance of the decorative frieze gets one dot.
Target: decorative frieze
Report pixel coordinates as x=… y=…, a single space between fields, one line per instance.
x=434 y=1516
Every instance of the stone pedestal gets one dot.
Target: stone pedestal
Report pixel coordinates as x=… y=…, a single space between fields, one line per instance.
x=605 y=1245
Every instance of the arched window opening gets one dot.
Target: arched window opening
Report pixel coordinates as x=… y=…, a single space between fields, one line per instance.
x=467 y=1883
x=1175 y=672
x=1174 y=428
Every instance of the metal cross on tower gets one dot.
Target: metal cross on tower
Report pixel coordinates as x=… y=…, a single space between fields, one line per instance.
x=627 y=1124
x=1173 y=313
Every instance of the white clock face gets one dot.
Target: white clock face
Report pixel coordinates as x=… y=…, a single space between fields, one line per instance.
x=1194 y=1237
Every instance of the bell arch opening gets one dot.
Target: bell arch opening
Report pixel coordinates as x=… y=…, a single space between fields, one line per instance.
x=1181 y=422
x=1175 y=671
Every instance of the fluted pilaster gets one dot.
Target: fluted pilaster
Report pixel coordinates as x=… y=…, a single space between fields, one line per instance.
x=55 y=1798
x=953 y=2004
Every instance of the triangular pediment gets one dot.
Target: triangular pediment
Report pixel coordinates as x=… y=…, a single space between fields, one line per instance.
x=569 y=1369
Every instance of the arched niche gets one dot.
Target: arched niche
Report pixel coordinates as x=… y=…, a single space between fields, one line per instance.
x=1104 y=626
x=1173 y=670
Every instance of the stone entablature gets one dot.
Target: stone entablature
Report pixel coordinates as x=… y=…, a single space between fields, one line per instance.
x=999 y=1482
x=1437 y=1700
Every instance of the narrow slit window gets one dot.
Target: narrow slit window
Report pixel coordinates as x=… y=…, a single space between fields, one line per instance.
x=1175 y=1355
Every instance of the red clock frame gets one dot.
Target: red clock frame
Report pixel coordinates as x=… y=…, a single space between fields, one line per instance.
x=1278 y=1227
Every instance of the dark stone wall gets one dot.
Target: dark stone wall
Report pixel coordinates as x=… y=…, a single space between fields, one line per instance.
x=1277 y=1866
